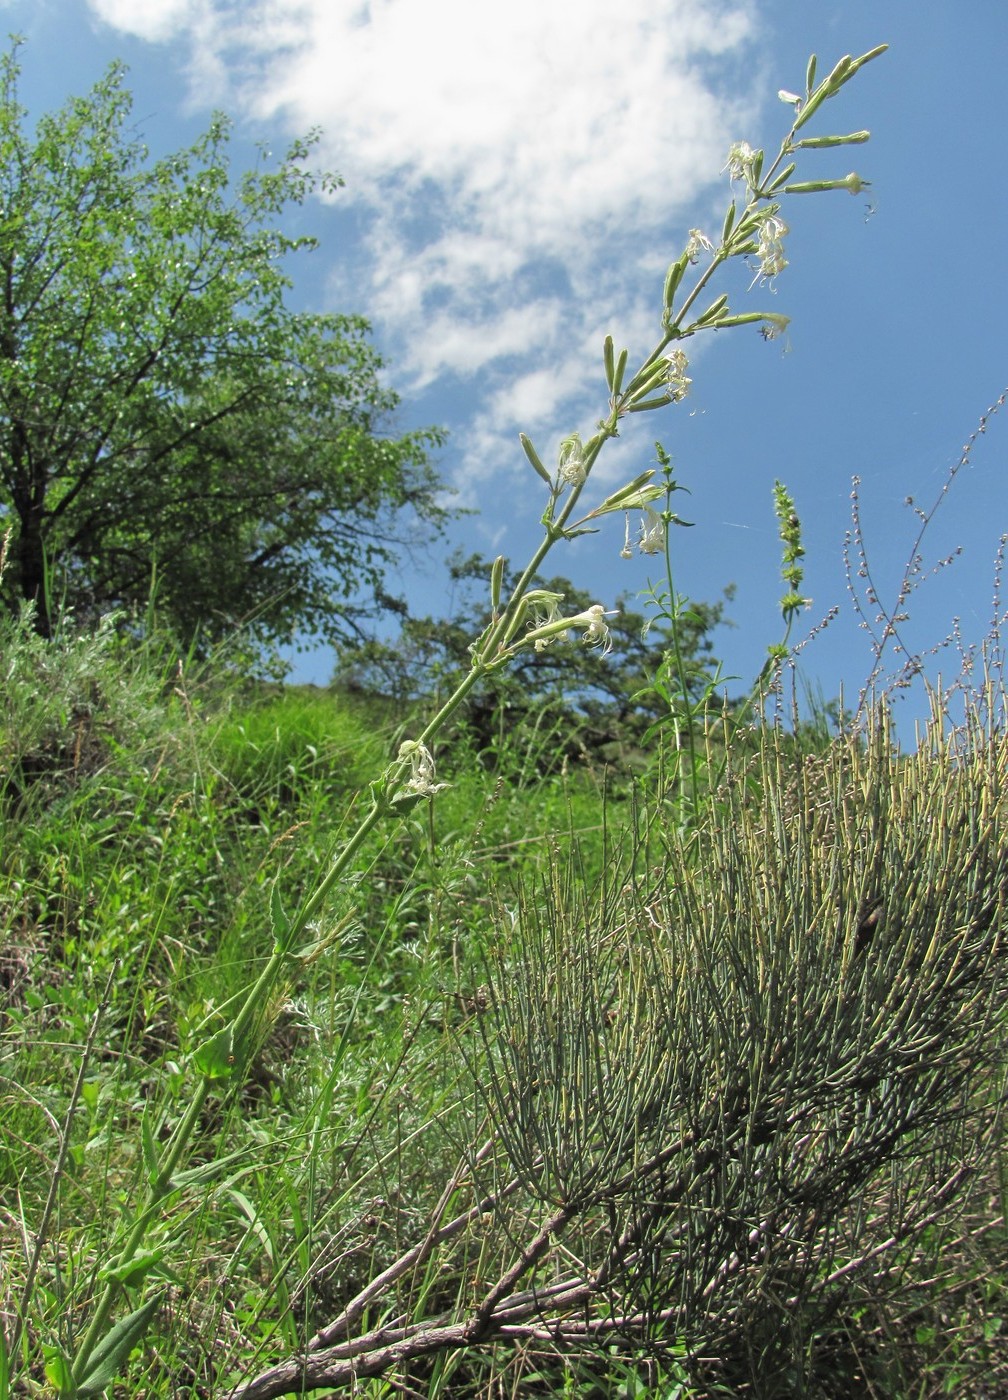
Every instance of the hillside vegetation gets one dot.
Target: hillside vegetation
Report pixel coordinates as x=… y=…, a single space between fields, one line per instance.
x=568 y=1090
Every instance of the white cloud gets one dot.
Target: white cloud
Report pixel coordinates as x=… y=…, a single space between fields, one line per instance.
x=447 y=344
x=522 y=172
x=155 y=20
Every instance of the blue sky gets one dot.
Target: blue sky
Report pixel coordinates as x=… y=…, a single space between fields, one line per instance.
x=519 y=177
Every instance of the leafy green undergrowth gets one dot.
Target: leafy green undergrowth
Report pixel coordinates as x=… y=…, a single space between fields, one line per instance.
x=148 y=806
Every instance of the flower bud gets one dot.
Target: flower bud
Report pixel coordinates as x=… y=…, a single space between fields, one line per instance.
x=672 y=279
x=609 y=362
x=853 y=138
x=533 y=457
x=621 y=364
x=852 y=183
x=496 y=581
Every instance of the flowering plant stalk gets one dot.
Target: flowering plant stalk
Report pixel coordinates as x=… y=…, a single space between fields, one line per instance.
x=530 y=617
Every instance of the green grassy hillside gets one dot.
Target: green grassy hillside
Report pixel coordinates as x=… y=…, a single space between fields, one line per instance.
x=727 y=1088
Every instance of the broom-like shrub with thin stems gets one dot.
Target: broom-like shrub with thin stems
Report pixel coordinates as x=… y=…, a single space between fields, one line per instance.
x=725 y=1090
x=753 y=230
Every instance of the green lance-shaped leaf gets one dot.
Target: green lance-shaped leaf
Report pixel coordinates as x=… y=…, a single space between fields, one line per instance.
x=108 y=1356
x=609 y=362
x=215 y=1058
x=4 y=1369
x=279 y=922
x=134 y=1270
x=57 y=1371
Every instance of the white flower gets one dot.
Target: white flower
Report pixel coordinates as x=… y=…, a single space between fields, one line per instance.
x=652 y=539
x=572 y=465
x=546 y=614
x=741 y=162
x=774 y=325
x=596 y=633
x=698 y=242
x=420 y=782
x=627 y=551
x=790 y=97
x=770 y=248
x=677 y=380
x=548 y=625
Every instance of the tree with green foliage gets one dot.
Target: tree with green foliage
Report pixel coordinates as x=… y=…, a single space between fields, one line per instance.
x=166 y=420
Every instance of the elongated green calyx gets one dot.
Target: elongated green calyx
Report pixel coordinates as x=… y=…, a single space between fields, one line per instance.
x=744 y=318
x=533 y=457
x=852 y=183
x=781 y=179
x=842 y=73
x=621 y=364
x=672 y=279
x=853 y=138
x=712 y=312
x=633 y=496
x=496 y=582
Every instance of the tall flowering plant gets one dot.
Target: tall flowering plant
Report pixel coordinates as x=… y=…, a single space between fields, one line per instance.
x=531 y=617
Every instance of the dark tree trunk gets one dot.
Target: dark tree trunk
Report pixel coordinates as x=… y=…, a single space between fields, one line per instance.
x=31 y=562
